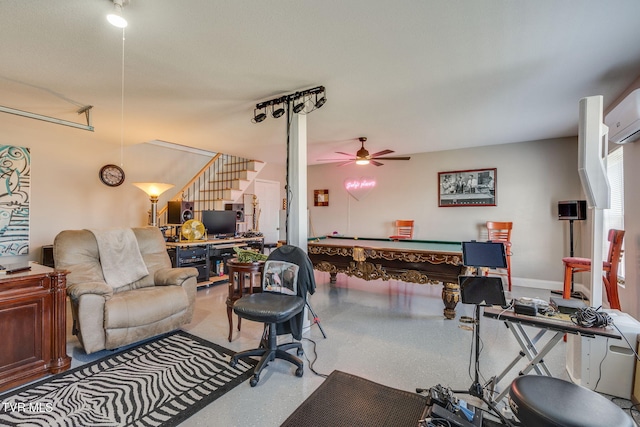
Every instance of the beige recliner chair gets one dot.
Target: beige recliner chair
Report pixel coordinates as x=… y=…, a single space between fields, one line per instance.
x=122 y=286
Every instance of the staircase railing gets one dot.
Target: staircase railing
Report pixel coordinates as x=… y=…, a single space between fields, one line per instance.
x=211 y=186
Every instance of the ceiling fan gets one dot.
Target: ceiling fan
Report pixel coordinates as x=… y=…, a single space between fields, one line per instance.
x=364 y=158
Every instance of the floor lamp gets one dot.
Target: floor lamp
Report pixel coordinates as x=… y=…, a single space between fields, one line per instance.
x=153 y=190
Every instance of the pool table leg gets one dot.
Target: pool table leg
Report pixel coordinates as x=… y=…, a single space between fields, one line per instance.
x=450 y=297
x=333 y=277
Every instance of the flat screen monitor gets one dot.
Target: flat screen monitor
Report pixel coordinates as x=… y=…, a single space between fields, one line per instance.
x=219 y=223
x=481 y=290
x=484 y=254
x=572 y=209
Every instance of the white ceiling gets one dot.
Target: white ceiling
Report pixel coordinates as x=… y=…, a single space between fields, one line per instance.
x=411 y=75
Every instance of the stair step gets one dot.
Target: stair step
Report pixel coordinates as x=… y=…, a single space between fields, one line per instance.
x=234 y=176
x=241 y=174
x=222 y=190
x=237 y=183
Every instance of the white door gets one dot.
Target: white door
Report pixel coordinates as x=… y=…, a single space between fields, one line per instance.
x=268 y=194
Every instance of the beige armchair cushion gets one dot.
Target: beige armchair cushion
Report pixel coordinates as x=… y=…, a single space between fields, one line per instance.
x=120 y=257
x=108 y=318
x=127 y=309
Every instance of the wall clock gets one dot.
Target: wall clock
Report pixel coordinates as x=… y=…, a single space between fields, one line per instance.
x=111 y=175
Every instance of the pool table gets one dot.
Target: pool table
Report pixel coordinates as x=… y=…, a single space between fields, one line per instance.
x=416 y=261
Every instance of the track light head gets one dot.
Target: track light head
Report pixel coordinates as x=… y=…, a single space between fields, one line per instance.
x=320 y=102
x=259 y=117
x=298 y=107
x=278 y=112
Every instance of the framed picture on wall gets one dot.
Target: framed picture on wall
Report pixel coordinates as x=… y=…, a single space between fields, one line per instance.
x=320 y=197
x=476 y=187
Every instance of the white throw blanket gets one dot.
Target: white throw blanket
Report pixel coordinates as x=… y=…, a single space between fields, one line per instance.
x=120 y=256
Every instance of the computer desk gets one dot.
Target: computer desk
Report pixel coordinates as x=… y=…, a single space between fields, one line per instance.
x=547 y=325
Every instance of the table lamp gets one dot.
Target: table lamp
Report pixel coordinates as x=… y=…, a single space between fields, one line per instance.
x=154 y=190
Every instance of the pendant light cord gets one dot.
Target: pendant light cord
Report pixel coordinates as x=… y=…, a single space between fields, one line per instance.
x=122 y=107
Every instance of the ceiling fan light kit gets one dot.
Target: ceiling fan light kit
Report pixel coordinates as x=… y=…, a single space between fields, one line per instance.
x=362 y=152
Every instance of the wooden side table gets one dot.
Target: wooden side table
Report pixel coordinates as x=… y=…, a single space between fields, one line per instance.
x=32 y=325
x=244 y=278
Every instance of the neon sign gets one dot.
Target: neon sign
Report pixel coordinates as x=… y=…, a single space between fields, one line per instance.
x=359 y=188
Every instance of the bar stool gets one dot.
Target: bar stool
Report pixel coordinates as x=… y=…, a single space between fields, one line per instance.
x=244 y=278
x=269 y=247
x=609 y=268
x=540 y=401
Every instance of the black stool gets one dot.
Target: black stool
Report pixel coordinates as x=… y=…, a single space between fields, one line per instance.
x=269 y=246
x=270 y=309
x=540 y=401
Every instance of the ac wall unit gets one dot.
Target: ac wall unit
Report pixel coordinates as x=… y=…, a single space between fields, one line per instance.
x=624 y=119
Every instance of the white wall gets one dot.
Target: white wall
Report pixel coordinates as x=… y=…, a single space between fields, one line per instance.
x=66 y=192
x=531 y=178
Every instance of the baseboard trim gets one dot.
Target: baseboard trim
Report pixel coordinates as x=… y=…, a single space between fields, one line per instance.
x=550 y=285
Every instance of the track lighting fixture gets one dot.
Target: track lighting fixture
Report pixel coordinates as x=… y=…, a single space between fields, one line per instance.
x=277 y=112
x=116 y=19
x=295 y=102
x=259 y=117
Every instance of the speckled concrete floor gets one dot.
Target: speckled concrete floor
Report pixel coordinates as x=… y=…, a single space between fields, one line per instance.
x=392 y=333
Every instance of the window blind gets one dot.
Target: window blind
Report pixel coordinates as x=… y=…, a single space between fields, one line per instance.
x=614 y=216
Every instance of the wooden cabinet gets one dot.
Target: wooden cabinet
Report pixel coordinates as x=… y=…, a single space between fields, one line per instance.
x=210 y=256
x=196 y=256
x=32 y=325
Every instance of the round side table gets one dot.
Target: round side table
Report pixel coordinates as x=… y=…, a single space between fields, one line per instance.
x=244 y=278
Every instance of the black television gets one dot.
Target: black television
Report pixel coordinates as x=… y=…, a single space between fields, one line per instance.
x=219 y=223
x=484 y=254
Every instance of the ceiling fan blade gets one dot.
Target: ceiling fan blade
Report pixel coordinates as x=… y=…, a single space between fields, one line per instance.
x=346 y=154
x=393 y=158
x=335 y=160
x=382 y=153
x=346 y=163
x=376 y=163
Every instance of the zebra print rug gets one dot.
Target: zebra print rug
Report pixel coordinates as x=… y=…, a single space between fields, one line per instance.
x=157 y=383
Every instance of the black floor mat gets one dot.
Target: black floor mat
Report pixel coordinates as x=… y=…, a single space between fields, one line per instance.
x=347 y=400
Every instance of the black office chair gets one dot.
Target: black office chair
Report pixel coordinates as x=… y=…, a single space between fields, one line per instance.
x=287 y=279
x=540 y=401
